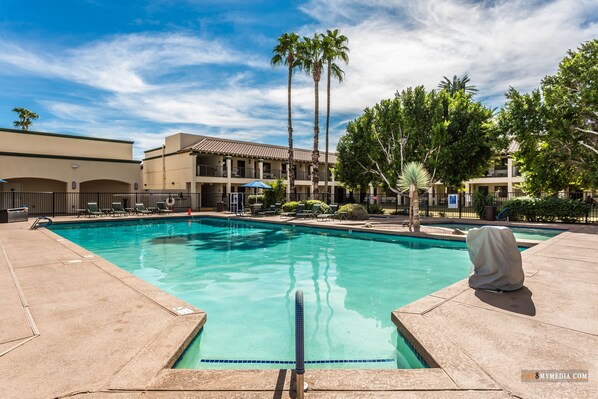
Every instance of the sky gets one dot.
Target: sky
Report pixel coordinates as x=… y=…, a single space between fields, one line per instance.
x=143 y=69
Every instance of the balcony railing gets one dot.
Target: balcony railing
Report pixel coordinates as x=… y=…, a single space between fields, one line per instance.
x=211 y=171
x=498 y=171
x=275 y=174
x=220 y=171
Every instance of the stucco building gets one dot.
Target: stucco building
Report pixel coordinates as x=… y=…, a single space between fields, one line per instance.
x=213 y=167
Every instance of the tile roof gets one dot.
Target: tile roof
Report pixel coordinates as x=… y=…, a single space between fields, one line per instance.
x=213 y=145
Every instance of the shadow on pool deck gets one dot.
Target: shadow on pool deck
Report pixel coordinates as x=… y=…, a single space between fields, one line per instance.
x=519 y=301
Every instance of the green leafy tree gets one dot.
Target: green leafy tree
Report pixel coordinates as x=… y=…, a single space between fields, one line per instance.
x=452 y=136
x=457 y=84
x=335 y=48
x=556 y=125
x=311 y=60
x=25 y=117
x=414 y=178
x=285 y=53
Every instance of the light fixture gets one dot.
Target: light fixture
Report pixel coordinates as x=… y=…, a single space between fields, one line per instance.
x=74 y=165
x=74 y=185
x=136 y=186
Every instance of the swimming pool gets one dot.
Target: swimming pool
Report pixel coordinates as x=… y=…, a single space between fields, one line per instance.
x=520 y=233
x=245 y=274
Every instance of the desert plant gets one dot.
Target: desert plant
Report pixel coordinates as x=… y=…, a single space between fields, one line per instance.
x=354 y=211
x=415 y=177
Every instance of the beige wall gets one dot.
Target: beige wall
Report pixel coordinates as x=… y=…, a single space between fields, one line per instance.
x=178 y=169
x=73 y=146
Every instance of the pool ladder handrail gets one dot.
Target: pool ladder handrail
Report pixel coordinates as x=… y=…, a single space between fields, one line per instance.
x=299 y=346
x=38 y=222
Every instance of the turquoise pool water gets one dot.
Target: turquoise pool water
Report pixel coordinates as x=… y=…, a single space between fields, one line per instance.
x=244 y=275
x=521 y=233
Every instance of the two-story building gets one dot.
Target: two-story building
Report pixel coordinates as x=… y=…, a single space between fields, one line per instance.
x=213 y=167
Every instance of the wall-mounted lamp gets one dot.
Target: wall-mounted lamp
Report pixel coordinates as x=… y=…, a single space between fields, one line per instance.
x=74 y=185
x=173 y=183
x=136 y=186
x=74 y=165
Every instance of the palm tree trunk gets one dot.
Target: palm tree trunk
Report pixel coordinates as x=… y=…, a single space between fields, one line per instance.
x=416 y=224
x=315 y=156
x=326 y=171
x=291 y=164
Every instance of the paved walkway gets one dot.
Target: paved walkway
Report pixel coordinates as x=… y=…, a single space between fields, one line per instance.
x=72 y=324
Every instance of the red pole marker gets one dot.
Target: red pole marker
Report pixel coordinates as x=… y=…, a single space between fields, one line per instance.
x=189 y=212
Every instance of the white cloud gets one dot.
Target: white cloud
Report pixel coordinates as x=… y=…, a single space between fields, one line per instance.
x=151 y=80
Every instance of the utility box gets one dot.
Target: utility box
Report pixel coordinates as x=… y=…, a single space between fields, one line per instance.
x=14 y=215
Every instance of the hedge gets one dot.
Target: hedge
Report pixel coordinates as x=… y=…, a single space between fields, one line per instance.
x=547 y=209
x=354 y=211
x=292 y=206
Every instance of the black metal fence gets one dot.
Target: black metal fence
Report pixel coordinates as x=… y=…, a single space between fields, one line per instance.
x=59 y=204
x=461 y=205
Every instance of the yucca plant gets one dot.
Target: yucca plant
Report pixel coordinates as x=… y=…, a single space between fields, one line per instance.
x=414 y=178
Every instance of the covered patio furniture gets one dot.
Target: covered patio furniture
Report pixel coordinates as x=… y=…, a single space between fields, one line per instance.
x=140 y=208
x=93 y=210
x=117 y=209
x=161 y=207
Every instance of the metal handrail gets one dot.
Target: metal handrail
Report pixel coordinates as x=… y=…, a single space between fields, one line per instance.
x=299 y=345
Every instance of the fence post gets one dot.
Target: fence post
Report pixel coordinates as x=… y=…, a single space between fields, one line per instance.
x=460 y=205
x=53 y=204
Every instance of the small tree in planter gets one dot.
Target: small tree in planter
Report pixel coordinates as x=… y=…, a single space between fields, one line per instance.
x=414 y=178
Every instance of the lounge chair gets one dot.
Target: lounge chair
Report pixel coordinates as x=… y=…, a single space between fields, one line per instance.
x=273 y=209
x=300 y=209
x=161 y=207
x=331 y=214
x=256 y=209
x=117 y=209
x=140 y=208
x=93 y=210
x=313 y=212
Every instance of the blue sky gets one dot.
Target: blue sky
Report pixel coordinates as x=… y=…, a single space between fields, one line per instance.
x=143 y=69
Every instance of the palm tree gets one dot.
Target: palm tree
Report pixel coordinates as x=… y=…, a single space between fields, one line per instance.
x=335 y=48
x=457 y=84
x=25 y=117
x=285 y=53
x=312 y=59
x=414 y=178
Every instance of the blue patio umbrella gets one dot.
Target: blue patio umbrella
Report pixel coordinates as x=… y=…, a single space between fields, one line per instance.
x=257 y=184
x=2 y=181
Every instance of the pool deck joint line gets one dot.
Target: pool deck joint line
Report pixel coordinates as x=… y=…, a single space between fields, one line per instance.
x=102 y=332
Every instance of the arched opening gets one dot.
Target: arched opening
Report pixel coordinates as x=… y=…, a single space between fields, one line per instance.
x=104 y=186
x=32 y=185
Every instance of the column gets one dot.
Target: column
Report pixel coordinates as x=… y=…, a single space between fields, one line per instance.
x=371 y=194
x=260 y=169
x=229 y=174
x=194 y=195
x=332 y=189
x=509 y=176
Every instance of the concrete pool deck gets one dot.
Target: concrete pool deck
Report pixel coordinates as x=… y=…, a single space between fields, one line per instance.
x=72 y=324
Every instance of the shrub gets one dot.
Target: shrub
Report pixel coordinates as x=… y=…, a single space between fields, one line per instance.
x=376 y=209
x=548 y=209
x=276 y=194
x=354 y=211
x=309 y=204
x=290 y=206
x=255 y=199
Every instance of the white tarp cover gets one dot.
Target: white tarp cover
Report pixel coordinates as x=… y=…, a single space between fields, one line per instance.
x=496 y=261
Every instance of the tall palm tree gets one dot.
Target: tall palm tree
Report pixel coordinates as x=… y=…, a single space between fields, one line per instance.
x=285 y=53
x=25 y=117
x=457 y=84
x=335 y=48
x=312 y=60
x=414 y=178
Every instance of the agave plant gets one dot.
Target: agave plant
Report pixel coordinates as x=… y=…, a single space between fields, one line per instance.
x=414 y=178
